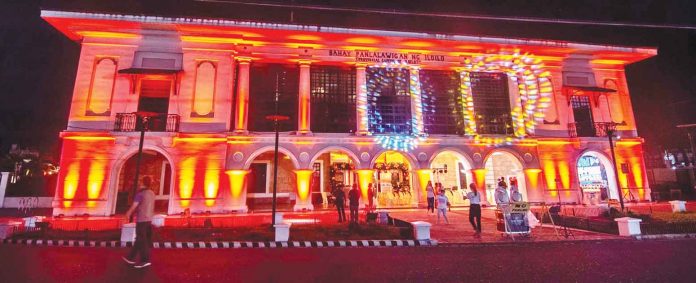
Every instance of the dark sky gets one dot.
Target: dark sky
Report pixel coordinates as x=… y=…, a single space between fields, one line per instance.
x=38 y=64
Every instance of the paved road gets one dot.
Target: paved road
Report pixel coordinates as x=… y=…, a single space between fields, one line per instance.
x=585 y=261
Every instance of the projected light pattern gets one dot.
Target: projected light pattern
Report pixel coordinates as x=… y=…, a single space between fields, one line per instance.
x=391 y=134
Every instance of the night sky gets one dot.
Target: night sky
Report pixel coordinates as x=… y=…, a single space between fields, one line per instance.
x=38 y=64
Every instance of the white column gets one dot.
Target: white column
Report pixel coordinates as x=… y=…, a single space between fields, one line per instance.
x=416 y=100
x=361 y=99
x=241 y=108
x=304 y=101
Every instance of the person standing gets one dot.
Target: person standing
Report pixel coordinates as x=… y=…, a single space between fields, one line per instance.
x=340 y=202
x=431 y=197
x=354 y=198
x=474 y=208
x=501 y=195
x=143 y=206
x=442 y=203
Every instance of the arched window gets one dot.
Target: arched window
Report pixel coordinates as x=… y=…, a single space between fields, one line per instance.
x=101 y=87
x=204 y=90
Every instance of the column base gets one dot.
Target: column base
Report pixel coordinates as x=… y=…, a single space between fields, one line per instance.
x=362 y=133
x=303 y=133
x=303 y=207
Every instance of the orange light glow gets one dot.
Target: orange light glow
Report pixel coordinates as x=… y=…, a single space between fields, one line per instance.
x=364 y=180
x=237 y=182
x=212 y=182
x=71 y=179
x=414 y=43
x=304 y=37
x=362 y=40
x=532 y=175
x=88 y=138
x=480 y=177
x=303 y=142
x=628 y=143
x=304 y=177
x=198 y=139
x=550 y=175
x=564 y=173
x=107 y=34
x=187 y=176
x=554 y=142
x=423 y=178
x=95 y=178
x=304 y=99
x=608 y=62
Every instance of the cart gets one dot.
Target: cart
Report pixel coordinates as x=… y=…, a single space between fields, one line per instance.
x=512 y=219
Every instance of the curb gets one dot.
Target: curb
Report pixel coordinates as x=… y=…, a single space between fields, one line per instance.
x=665 y=236
x=227 y=245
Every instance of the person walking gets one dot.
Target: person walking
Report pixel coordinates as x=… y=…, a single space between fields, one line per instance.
x=474 y=198
x=431 y=197
x=442 y=203
x=143 y=206
x=340 y=202
x=354 y=198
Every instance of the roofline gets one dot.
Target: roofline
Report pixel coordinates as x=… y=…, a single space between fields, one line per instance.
x=357 y=31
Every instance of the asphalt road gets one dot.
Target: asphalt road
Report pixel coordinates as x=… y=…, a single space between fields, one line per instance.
x=583 y=261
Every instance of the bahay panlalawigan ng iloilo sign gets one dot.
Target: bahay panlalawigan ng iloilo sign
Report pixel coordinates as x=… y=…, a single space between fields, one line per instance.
x=363 y=56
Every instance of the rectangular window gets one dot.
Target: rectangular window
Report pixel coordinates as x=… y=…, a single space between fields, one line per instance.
x=491 y=103
x=333 y=99
x=389 y=100
x=264 y=81
x=442 y=102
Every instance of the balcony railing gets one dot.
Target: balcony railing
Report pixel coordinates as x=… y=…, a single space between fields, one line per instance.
x=598 y=129
x=128 y=122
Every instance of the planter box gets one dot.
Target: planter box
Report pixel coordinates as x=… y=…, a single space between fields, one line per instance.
x=678 y=205
x=421 y=230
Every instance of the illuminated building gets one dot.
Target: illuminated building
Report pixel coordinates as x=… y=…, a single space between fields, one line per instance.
x=391 y=108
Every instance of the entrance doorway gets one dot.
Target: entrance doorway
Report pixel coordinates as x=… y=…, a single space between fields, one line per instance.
x=393 y=180
x=332 y=170
x=596 y=178
x=453 y=172
x=502 y=164
x=154 y=100
x=260 y=183
x=153 y=165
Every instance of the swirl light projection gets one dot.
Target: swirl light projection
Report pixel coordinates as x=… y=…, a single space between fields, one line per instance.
x=533 y=85
x=395 y=138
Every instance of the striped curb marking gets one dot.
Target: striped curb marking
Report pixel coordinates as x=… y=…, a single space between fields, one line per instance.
x=226 y=245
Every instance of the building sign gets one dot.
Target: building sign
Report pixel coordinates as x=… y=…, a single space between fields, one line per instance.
x=364 y=56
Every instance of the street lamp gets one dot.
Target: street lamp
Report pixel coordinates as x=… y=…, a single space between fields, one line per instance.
x=610 y=128
x=276 y=119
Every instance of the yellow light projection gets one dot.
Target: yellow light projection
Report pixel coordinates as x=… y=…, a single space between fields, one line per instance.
x=364 y=180
x=95 y=178
x=187 y=175
x=237 y=182
x=211 y=181
x=303 y=181
x=423 y=178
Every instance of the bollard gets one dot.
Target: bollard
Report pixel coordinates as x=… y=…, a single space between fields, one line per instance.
x=158 y=220
x=421 y=230
x=282 y=232
x=128 y=232
x=628 y=226
x=678 y=205
x=278 y=217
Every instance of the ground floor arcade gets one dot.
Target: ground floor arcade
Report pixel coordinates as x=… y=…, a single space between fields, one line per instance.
x=222 y=174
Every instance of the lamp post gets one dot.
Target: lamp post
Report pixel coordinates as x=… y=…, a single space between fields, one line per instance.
x=144 y=123
x=276 y=119
x=610 y=128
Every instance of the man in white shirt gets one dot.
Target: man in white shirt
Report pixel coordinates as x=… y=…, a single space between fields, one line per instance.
x=474 y=198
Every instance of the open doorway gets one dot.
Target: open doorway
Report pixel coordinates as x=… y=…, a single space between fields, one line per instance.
x=153 y=165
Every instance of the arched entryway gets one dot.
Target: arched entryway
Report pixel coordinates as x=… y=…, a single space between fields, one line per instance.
x=596 y=178
x=154 y=165
x=503 y=164
x=453 y=171
x=393 y=180
x=332 y=168
x=259 y=181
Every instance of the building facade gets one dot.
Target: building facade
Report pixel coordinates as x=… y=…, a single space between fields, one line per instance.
x=395 y=109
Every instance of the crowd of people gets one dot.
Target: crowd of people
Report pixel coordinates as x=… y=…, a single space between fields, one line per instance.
x=506 y=193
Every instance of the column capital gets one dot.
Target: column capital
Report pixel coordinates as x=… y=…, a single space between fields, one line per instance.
x=243 y=59
x=304 y=62
x=360 y=65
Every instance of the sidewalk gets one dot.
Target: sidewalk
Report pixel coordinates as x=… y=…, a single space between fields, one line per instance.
x=460 y=231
